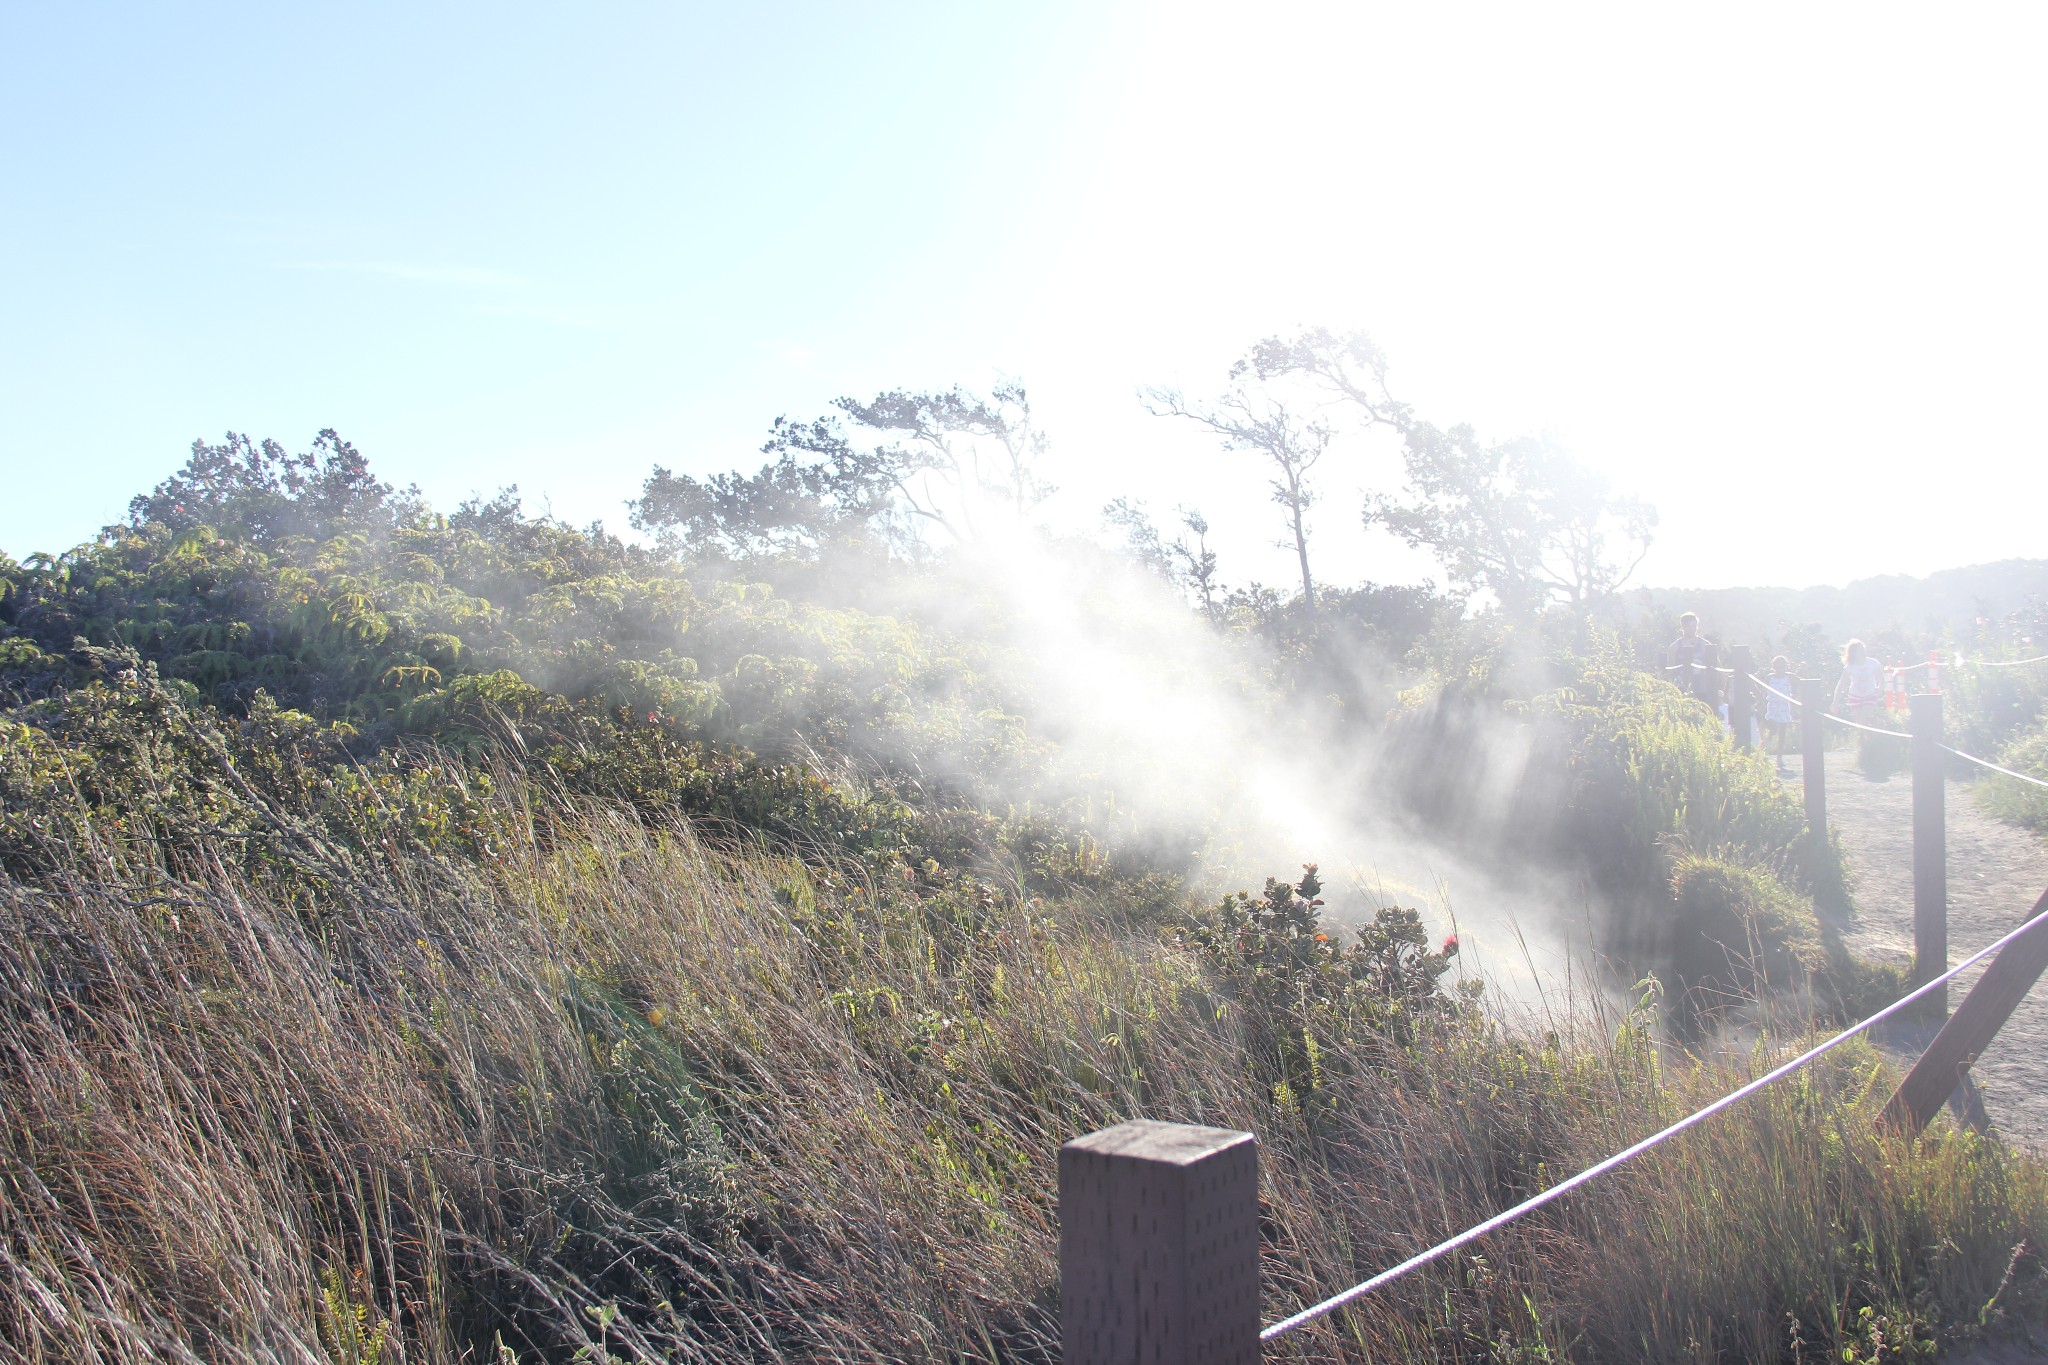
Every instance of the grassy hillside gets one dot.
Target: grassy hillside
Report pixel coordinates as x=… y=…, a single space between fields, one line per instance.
x=473 y=938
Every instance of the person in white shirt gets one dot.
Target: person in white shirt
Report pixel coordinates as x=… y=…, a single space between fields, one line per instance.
x=1860 y=691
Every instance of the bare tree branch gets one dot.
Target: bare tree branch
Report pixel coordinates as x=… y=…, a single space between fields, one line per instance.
x=1263 y=426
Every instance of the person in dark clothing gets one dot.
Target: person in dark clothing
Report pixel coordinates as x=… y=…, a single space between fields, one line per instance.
x=1690 y=662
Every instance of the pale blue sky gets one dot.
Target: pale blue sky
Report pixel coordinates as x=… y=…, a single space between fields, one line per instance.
x=1745 y=262
x=479 y=238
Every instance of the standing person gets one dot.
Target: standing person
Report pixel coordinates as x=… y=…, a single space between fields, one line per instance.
x=1692 y=655
x=1860 y=690
x=1778 y=708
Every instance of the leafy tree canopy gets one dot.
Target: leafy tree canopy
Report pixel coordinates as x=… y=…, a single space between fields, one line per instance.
x=263 y=493
x=1519 y=519
x=915 y=463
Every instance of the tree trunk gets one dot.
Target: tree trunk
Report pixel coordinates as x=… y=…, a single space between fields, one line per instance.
x=1308 y=587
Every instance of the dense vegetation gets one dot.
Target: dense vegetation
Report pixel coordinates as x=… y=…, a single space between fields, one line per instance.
x=472 y=937
x=1998 y=709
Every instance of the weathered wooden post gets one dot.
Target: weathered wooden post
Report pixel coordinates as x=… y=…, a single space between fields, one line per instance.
x=1159 y=1246
x=1930 y=849
x=1969 y=1031
x=1813 y=766
x=1740 y=698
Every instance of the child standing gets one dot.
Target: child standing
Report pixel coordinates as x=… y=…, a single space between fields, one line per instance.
x=1778 y=708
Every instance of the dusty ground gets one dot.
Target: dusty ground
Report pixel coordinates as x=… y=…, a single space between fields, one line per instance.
x=1995 y=874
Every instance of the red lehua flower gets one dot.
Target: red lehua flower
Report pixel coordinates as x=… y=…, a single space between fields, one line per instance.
x=1450 y=948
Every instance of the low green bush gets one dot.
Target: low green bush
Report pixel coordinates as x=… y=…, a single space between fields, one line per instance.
x=1738 y=935
x=2023 y=803
x=1306 y=1002
x=1698 y=852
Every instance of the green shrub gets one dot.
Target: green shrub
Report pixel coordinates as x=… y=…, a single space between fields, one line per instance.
x=1987 y=708
x=2022 y=803
x=1305 y=1001
x=1737 y=935
x=1651 y=773
x=1699 y=852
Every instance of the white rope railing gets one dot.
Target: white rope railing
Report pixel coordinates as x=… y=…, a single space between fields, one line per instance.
x=1948 y=749
x=1961 y=662
x=1832 y=718
x=1598 y=1169
x=1987 y=763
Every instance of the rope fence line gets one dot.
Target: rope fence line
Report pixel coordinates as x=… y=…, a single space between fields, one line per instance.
x=1958 y=661
x=1961 y=662
x=1831 y=716
x=1947 y=749
x=1986 y=763
x=1859 y=725
x=1600 y=1168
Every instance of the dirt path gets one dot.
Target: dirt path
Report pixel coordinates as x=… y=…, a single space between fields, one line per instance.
x=1995 y=874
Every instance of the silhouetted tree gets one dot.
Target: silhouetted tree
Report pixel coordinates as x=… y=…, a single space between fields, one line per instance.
x=789 y=507
x=263 y=492
x=1520 y=519
x=1190 y=564
x=1264 y=425
x=1349 y=365
x=939 y=460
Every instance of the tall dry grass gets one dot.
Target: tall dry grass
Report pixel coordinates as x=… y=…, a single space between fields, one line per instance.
x=623 y=1093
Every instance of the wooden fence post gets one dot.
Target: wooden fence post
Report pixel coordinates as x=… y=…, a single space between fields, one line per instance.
x=1159 y=1246
x=1930 y=849
x=1813 y=766
x=1969 y=1031
x=1740 y=697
